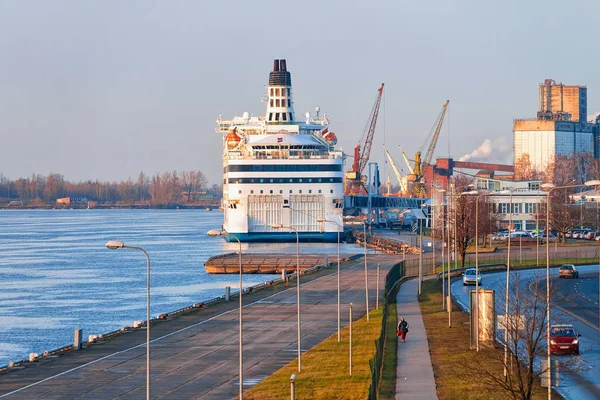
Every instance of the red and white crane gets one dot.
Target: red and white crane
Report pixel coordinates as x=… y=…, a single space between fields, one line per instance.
x=354 y=178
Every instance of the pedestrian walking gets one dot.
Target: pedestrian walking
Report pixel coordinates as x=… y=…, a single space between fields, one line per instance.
x=402 y=329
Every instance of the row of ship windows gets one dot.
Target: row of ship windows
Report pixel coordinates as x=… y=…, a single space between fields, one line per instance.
x=291 y=191
x=283 y=168
x=282 y=180
x=284 y=116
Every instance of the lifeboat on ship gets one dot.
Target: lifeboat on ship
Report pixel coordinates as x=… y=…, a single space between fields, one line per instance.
x=330 y=137
x=233 y=139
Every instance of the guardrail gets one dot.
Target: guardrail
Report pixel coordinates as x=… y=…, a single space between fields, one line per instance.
x=486 y=267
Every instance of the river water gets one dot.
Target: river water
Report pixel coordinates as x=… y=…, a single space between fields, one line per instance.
x=56 y=275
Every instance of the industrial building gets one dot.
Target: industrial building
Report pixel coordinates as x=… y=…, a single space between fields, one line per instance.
x=560 y=128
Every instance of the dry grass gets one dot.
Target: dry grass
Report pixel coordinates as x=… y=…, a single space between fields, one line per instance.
x=325 y=367
x=387 y=387
x=454 y=364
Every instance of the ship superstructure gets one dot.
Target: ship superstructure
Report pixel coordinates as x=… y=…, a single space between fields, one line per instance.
x=277 y=170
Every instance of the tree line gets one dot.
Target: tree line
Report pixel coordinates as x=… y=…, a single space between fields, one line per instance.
x=161 y=189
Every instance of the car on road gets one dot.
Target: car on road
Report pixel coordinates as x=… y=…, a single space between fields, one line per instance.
x=564 y=339
x=469 y=277
x=568 y=271
x=544 y=237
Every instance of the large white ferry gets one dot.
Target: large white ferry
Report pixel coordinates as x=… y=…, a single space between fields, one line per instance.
x=279 y=171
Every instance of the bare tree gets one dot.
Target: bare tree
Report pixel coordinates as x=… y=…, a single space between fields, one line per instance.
x=53 y=186
x=523 y=338
x=462 y=216
x=192 y=182
x=487 y=219
x=523 y=167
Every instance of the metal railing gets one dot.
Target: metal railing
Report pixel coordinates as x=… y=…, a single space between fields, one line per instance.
x=393 y=276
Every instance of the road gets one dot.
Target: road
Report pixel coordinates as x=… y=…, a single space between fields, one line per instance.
x=579 y=297
x=584 y=382
x=196 y=357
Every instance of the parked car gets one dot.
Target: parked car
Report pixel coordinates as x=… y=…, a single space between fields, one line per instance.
x=520 y=234
x=469 y=277
x=502 y=235
x=579 y=233
x=589 y=235
x=544 y=237
x=564 y=339
x=568 y=271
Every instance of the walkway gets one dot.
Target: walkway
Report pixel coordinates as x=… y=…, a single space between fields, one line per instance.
x=414 y=374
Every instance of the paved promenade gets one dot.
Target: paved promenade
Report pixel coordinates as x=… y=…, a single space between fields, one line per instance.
x=195 y=356
x=414 y=374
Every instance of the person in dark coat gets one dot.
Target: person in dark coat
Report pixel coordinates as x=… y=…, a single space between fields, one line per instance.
x=402 y=328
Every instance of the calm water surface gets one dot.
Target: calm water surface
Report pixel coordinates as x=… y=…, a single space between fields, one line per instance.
x=57 y=276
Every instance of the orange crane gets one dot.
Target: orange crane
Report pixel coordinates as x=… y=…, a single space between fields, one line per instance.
x=418 y=188
x=354 y=178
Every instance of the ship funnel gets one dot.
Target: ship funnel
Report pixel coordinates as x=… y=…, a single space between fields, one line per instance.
x=280 y=109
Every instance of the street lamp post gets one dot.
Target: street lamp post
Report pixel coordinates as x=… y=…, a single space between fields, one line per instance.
x=215 y=232
x=366 y=275
x=420 y=249
x=507 y=282
x=433 y=238
x=279 y=226
x=114 y=245
x=448 y=296
x=338 y=275
x=552 y=187
x=478 y=195
x=442 y=214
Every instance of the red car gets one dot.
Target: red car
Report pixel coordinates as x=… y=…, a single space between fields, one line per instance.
x=564 y=339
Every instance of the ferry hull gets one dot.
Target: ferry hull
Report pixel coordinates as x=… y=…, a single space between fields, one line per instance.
x=330 y=237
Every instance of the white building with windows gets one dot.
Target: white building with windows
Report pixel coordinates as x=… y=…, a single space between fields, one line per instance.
x=528 y=208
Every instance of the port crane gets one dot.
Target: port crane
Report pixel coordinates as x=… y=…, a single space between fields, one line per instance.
x=401 y=179
x=418 y=188
x=354 y=183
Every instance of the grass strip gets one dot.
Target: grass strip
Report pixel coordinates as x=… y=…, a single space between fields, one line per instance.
x=387 y=387
x=325 y=367
x=454 y=364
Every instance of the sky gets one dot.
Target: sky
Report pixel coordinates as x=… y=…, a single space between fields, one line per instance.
x=107 y=89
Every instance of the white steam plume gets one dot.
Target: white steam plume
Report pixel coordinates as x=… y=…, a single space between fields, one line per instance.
x=502 y=151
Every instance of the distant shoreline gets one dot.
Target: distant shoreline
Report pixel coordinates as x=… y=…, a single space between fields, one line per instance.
x=113 y=207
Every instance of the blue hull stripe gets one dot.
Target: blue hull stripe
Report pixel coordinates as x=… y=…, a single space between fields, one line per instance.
x=285 y=237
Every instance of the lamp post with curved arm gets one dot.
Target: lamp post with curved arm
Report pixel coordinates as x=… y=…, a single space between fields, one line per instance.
x=366 y=275
x=552 y=187
x=442 y=214
x=215 y=232
x=279 y=226
x=114 y=245
x=477 y=197
x=339 y=332
x=507 y=280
